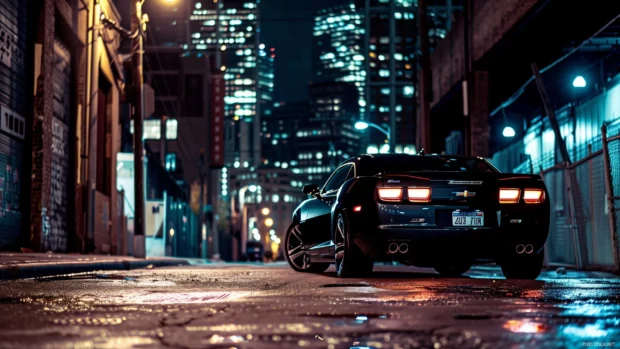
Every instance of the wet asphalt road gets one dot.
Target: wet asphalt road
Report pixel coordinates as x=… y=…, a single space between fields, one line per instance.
x=271 y=306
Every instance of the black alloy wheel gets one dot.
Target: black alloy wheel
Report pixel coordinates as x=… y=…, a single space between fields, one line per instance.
x=349 y=259
x=296 y=249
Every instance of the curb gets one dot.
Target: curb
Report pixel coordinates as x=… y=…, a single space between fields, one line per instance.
x=22 y=271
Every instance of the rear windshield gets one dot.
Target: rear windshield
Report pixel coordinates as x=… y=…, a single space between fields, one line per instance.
x=433 y=164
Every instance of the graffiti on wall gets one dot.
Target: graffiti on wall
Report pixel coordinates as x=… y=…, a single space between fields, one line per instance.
x=9 y=185
x=58 y=214
x=10 y=53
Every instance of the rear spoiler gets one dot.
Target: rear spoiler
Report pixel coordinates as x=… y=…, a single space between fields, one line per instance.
x=512 y=176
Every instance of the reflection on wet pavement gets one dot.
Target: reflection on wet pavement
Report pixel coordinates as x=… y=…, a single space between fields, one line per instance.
x=241 y=307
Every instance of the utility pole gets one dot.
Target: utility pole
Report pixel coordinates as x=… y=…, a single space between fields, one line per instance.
x=392 y=140
x=138 y=26
x=573 y=190
x=424 y=83
x=202 y=248
x=468 y=83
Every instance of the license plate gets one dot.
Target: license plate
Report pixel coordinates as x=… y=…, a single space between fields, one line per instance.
x=467 y=219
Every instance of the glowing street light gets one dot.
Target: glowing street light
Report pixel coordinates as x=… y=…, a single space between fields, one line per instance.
x=362 y=125
x=579 y=82
x=508 y=132
x=265 y=211
x=269 y=222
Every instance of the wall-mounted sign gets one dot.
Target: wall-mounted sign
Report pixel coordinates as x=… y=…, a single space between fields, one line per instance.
x=218 y=91
x=12 y=123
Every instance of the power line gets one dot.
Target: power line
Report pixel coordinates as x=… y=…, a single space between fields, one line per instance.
x=521 y=90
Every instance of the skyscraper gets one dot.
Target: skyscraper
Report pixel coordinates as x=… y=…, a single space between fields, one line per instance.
x=390 y=47
x=373 y=44
x=338 y=38
x=266 y=71
x=227 y=30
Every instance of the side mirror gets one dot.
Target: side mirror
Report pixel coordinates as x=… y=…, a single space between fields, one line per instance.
x=311 y=189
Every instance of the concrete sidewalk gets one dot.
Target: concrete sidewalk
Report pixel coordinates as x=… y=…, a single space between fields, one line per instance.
x=31 y=265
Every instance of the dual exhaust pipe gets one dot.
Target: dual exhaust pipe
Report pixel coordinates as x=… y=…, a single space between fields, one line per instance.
x=396 y=248
x=521 y=249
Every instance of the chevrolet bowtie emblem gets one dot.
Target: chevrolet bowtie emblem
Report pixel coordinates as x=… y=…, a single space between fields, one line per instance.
x=465 y=193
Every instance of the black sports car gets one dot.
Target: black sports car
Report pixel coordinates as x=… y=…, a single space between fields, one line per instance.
x=444 y=212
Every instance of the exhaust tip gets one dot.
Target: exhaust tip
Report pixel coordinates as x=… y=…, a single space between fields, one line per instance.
x=520 y=248
x=529 y=249
x=393 y=248
x=403 y=248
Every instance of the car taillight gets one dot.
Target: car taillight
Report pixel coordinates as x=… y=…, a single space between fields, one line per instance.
x=533 y=196
x=509 y=196
x=419 y=194
x=390 y=194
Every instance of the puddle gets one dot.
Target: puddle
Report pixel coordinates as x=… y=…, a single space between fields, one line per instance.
x=76 y=276
x=526 y=326
x=88 y=321
x=483 y=316
x=170 y=298
x=345 y=285
x=353 y=316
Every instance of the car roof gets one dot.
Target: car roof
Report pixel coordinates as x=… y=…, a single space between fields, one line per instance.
x=400 y=157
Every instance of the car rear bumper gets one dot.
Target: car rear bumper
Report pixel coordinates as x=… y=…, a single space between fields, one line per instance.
x=432 y=245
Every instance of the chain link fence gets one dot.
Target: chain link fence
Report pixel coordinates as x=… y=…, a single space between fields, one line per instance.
x=611 y=152
x=599 y=185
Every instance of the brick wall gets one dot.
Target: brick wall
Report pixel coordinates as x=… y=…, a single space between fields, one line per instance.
x=492 y=19
x=42 y=131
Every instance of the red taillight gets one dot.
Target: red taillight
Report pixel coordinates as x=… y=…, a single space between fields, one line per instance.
x=357 y=208
x=533 y=196
x=390 y=194
x=509 y=196
x=419 y=194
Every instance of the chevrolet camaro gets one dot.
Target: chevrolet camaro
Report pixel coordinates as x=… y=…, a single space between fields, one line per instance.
x=438 y=211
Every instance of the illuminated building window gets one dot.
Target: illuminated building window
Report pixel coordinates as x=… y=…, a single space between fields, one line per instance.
x=152 y=129
x=171 y=129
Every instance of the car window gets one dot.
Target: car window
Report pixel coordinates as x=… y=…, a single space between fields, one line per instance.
x=434 y=164
x=337 y=179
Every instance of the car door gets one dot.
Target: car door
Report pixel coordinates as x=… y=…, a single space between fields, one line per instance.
x=318 y=212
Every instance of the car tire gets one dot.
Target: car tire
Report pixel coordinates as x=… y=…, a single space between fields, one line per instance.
x=453 y=269
x=295 y=252
x=348 y=257
x=525 y=267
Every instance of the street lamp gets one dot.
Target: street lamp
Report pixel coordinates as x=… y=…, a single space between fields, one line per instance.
x=579 y=81
x=508 y=132
x=269 y=222
x=362 y=125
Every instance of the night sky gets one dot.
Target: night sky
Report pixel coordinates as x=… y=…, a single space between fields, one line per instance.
x=287 y=26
